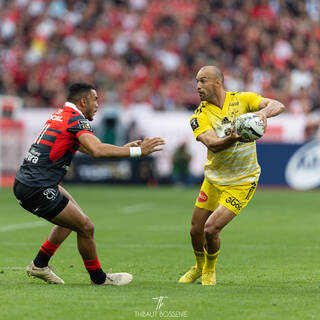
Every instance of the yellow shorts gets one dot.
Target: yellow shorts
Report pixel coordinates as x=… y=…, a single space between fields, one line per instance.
x=233 y=197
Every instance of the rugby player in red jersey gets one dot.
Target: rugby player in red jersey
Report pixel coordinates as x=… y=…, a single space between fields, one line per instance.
x=37 y=186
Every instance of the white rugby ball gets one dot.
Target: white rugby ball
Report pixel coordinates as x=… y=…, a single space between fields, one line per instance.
x=249 y=126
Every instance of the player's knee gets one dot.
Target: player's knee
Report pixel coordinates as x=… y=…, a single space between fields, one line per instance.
x=87 y=228
x=196 y=231
x=211 y=230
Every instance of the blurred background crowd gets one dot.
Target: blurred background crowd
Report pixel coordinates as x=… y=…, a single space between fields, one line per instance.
x=148 y=51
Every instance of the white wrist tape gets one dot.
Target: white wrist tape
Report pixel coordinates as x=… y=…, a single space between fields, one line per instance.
x=135 y=152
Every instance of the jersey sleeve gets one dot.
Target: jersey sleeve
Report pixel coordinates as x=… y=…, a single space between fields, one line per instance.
x=200 y=123
x=79 y=125
x=252 y=100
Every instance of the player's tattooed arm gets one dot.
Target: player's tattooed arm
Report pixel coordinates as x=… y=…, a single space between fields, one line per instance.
x=269 y=108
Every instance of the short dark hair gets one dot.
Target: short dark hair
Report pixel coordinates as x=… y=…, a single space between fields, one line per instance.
x=78 y=91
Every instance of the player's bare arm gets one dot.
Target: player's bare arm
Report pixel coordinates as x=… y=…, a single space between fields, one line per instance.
x=215 y=144
x=269 y=108
x=135 y=143
x=97 y=149
x=83 y=150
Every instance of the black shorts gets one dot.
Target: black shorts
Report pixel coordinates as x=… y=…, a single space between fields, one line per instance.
x=45 y=202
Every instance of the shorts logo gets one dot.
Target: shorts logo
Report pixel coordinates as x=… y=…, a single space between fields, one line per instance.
x=50 y=193
x=234 y=202
x=202 y=197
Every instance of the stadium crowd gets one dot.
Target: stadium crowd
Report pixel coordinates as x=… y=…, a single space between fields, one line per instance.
x=148 y=51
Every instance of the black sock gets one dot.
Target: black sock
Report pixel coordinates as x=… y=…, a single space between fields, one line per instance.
x=41 y=259
x=97 y=276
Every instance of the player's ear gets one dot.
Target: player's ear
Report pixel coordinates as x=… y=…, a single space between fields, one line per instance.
x=218 y=82
x=83 y=101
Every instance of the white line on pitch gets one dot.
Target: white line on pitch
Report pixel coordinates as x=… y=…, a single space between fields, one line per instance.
x=20 y=226
x=167 y=228
x=139 y=207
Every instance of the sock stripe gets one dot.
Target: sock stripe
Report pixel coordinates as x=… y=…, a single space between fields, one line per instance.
x=211 y=255
x=198 y=253
x=45 y=253
x=44 y=250
x=92 y=264
x=49 y=247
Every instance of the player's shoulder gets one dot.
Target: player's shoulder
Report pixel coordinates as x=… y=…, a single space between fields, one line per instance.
x=234 y=93
x=244 y=95
x=240 y=94
x=72 y=115
x=200 y=109
x=76 y=121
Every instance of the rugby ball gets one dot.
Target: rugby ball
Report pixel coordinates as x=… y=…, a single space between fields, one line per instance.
x=249 y=126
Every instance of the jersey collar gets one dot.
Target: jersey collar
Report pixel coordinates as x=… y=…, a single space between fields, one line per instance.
x=73 y=106
x=225 y=103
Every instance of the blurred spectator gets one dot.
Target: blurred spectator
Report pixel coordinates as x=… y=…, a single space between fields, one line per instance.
x=148 y=51
x=133 y=132
x=110 y=129
x=180 y=165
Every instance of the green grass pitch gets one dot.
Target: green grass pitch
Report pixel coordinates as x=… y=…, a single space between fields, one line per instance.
x=268 y=267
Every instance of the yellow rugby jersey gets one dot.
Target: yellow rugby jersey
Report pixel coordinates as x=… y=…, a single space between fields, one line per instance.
x=237 y=164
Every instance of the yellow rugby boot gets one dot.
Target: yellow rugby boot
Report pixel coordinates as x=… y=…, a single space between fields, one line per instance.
x=208 y=278
x=191 y=276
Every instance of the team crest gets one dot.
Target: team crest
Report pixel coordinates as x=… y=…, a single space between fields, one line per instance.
x=84 y=124
x=194 y=124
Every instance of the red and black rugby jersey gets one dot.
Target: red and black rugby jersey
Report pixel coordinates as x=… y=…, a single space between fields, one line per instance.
x=50 y=155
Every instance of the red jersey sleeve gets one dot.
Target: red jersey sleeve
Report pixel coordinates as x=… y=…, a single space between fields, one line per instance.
x=78 y=125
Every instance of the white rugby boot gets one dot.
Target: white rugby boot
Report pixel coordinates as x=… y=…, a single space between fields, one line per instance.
x=46 y=274
x=117 y=279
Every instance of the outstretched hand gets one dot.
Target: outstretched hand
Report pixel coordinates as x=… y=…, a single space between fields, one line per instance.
x=150 y=145
x=135 y=143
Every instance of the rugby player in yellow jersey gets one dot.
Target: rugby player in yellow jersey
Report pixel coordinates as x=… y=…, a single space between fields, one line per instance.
x=232 y=170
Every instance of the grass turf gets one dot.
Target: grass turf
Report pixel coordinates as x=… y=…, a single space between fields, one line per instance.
x=268 y=267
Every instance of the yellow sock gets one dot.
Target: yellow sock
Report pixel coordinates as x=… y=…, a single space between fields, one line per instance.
x=210 y=260
x=199 y=255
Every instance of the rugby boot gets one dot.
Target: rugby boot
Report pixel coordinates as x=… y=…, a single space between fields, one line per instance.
x=116 y=279
x=46 y=274
x=191 y=276
x=208 y=278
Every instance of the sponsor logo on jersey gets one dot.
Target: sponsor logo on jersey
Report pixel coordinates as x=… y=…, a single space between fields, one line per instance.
x=202 y=197
x=234 y=202
x=194 y=123
x=31 y=158
x=225 y=120
x=232 y=104
x=84 y=124
x=56 y=116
